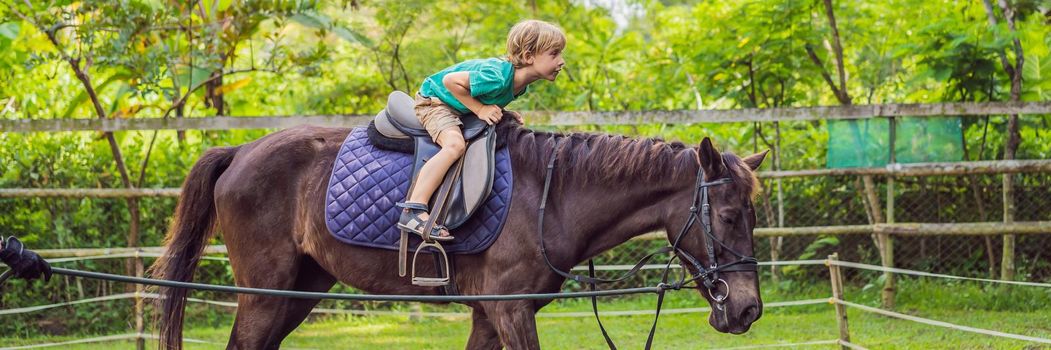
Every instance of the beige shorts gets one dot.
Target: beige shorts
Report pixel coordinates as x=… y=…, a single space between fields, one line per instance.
x=435 y=115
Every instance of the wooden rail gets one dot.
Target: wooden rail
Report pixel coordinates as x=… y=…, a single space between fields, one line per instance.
x=82 y=252
x=553 y=118
x=899 y=229
x=88 y=192
x=917 y=169
x=926 y=169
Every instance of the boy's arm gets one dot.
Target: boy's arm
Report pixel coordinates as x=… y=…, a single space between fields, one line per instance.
x=459 y=84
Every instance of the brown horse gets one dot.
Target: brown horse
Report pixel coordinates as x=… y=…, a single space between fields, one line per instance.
x=267 y=198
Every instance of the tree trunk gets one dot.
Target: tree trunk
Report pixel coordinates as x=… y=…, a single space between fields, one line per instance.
x=85 y=80
x=979 y=201
x=1007 y=266
x=883 y=241
x=214 y=98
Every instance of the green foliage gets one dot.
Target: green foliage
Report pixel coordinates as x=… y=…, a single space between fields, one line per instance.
x=323 y=57
x=153 y=58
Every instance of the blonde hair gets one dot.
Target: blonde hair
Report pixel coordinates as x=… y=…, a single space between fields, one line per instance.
x=535 y=37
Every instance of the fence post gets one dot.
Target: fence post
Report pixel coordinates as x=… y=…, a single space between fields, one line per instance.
x=1007 y=265
x=775 y=242
x=836 y=277
x=140 y=324
x=887 y=295
x=415 y=312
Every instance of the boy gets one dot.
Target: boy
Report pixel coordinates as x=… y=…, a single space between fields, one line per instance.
x=482 y=87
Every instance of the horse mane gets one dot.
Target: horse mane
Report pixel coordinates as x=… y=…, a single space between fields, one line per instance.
x=613 y=159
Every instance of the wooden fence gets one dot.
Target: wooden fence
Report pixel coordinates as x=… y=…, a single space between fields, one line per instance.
x=885 y=229
x=747 y=115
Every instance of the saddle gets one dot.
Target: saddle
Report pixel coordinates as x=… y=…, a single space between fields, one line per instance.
x=463 y=190
x=472 y=182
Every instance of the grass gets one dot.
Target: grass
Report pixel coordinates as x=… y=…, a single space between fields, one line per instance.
x=1016 y=310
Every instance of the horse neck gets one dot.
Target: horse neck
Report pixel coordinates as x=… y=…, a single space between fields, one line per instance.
x=599 y=217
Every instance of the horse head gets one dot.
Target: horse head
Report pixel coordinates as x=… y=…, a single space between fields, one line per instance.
x=712 y=234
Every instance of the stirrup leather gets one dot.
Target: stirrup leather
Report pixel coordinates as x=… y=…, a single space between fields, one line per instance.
x=439 y=209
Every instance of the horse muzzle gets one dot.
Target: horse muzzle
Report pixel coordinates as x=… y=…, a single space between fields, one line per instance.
x=727 y=317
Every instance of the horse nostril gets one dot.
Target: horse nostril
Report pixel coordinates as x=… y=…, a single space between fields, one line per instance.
x=751 y=314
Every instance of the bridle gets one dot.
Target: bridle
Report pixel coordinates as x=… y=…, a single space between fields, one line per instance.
x=709 y=276
x=700 y=210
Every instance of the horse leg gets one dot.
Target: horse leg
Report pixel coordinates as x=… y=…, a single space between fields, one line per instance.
x=255 y=317
x=261 y=320
x=483 y=334
x=515 y=323
x=310 y=278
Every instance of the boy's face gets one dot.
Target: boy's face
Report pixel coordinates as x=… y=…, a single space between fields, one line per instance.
x=549 y=64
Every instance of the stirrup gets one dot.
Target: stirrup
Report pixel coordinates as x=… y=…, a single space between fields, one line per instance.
x=443 y=277
x=417 y=225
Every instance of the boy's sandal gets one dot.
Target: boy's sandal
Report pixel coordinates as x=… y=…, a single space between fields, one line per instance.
x=410 y=221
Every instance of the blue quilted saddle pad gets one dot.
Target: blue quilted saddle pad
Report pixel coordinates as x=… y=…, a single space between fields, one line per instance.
x=367 y=181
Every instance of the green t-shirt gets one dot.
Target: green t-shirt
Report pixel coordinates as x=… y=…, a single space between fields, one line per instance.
x=492 y=83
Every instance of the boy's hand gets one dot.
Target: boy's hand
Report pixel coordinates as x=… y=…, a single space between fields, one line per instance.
x=490 y=114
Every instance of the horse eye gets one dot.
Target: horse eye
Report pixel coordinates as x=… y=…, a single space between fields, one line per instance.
x=729 y=216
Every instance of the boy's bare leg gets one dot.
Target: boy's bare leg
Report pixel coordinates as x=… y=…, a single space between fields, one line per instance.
x=433 y=171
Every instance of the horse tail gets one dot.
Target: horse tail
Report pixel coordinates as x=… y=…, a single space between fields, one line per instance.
x=193 y=225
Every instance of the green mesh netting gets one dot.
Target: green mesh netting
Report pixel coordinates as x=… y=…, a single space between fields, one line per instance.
x=863 y=143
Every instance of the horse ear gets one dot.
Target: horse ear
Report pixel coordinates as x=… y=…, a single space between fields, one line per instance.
x=711 y=160
x=755 y=160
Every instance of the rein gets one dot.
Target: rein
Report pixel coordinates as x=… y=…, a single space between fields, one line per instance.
x=709 y=276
